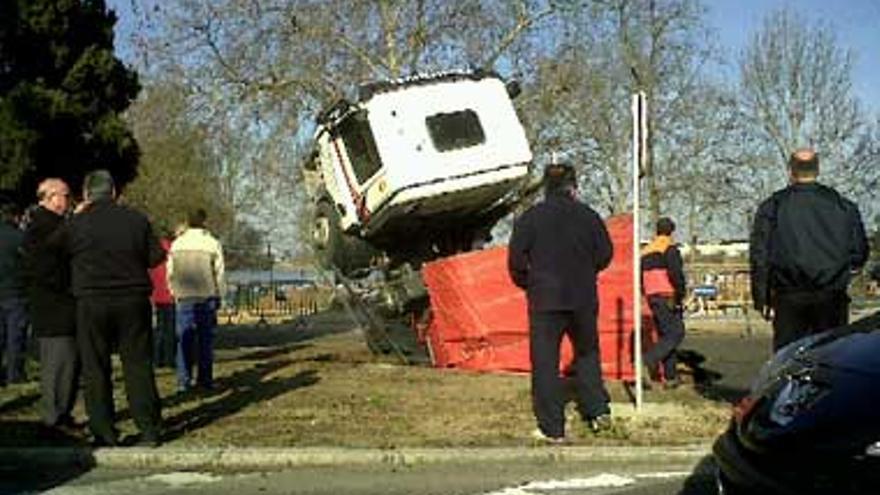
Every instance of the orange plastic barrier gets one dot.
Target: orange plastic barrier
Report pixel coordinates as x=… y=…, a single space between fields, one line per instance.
x=480 y=320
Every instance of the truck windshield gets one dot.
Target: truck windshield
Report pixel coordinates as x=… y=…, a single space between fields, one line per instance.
x=360 y=146
x=455 y=130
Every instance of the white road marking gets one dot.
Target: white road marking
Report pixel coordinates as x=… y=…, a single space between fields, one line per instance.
x=604 y=480
x=183 y=478
x=666 y=475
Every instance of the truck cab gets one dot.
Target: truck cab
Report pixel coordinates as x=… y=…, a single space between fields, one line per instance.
x=416 y=168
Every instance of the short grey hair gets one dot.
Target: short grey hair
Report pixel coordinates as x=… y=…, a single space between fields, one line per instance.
x=98 y=184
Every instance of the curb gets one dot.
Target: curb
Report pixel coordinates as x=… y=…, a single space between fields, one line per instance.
x=247 y=458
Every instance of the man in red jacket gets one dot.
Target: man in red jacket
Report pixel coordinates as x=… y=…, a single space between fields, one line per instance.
x=164 y=339
x=663 y=283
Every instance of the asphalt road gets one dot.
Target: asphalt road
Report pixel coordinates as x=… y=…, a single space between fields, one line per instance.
x=654 y=477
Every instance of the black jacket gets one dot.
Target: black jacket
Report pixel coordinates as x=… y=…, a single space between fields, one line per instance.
x=47 y=272
x=805 y=238
x=111 y=248
x=556 y=250
x=11 y=284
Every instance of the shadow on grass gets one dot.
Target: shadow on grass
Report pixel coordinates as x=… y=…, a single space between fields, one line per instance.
x=268 y=364
x=19 y=402
x=708 y=382
x=37 y=471
x=244 y=388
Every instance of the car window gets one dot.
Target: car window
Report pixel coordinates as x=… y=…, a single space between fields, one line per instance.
x=361 y=146
x=455 y=130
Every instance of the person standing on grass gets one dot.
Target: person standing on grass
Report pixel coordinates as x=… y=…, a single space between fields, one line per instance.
x=111 y=249
x=165 y=338
x=52 y=306
x=13 y=310
x=663 y=283
x=806 y=241
x=556 y=250
x=196 y=276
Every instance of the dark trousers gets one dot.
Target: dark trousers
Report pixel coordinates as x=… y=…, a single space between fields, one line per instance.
x=165 y=339
x=799 y=314
x=13 y=339
x=59 y=377
x=123 y=320
x=546 y=330
x=196 y=321
x=671 y=329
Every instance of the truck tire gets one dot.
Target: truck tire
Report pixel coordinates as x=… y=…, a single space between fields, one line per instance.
x=336 y=248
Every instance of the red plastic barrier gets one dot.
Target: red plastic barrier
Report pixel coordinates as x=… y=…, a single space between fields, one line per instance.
x=480 y=321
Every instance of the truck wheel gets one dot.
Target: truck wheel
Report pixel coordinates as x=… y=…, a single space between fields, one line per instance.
x=336 y=248
x=326 y=234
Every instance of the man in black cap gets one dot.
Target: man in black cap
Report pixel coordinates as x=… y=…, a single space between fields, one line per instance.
x=805 y=242
x=556 y=250
x=111 y=248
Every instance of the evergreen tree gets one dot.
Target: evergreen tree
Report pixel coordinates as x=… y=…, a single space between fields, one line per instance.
x=61 y=94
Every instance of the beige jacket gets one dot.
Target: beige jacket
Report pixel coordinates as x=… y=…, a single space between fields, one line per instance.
x=195 y=266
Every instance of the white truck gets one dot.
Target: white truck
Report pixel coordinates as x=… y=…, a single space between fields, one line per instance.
x=414 y=170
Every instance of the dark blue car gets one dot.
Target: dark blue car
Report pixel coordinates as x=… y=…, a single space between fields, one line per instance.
x=811 y=423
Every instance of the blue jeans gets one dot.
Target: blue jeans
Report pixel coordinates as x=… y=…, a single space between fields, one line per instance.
x=196 y=321
x=13 y=337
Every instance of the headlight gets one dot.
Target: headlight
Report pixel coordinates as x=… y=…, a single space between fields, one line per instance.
x=798 y=395
x=873 y=450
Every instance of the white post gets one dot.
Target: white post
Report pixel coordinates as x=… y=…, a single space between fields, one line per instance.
x=638 y=151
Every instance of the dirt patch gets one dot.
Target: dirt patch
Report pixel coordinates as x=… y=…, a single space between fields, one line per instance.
x=292 y=385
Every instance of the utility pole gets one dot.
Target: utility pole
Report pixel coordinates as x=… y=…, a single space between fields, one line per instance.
x=639 y=140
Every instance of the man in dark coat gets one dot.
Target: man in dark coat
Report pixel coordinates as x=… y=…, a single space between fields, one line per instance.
x=556 y=251
x=805 y=242
x=13 y=313
x=52 y=307
x=111 y=248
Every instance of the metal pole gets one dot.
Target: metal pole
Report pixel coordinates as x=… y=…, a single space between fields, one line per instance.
x=639 y=131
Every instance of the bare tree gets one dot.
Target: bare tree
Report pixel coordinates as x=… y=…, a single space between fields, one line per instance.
x=796 y=83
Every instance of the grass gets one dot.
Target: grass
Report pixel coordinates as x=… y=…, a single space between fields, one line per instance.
x=283 y=387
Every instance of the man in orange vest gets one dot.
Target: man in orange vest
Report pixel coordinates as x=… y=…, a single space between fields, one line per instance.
x=663 y=283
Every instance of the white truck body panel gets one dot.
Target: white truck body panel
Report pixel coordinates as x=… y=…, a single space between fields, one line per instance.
x=415 y=176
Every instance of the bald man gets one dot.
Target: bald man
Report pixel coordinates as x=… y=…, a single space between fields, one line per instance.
x=52 y=305
x=806 y=241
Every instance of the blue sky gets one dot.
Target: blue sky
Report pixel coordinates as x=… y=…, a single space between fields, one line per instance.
x=856 y=23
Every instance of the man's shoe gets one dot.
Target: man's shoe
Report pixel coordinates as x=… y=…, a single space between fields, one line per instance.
x=600 y=423
x=539 y=436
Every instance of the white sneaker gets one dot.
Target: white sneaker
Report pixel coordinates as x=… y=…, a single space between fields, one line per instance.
x=539 y=436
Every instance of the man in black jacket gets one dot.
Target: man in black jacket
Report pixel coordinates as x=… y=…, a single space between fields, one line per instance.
x=111 y=248
x=13 y=313
x=663 y=283
x=556 y=250
x=805 y=242
x=52 y=307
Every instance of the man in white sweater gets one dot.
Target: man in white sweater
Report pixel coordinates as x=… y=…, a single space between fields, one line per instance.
x=196 y=277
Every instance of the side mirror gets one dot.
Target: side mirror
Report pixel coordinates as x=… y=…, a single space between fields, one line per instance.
x=513 y=89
